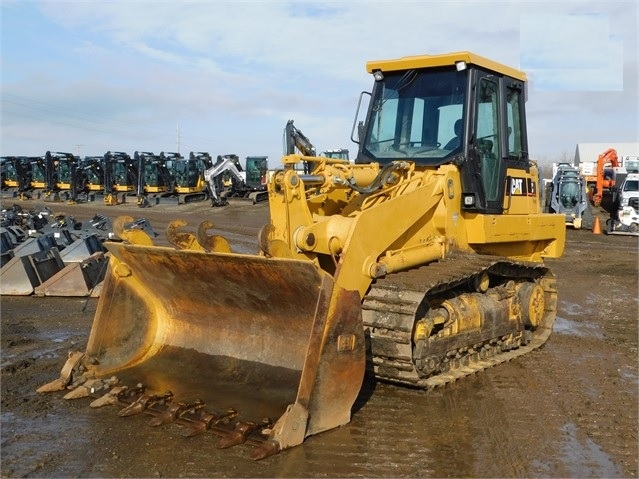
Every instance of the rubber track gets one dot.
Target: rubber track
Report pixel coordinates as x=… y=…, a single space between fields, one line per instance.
x=390 y=307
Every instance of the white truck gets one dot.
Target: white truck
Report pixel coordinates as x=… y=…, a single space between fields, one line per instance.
x=627 y=220
x=629 y=191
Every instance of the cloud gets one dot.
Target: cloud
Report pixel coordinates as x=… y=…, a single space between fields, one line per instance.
x=560 y=41
x=231 y=74
x=571 y=52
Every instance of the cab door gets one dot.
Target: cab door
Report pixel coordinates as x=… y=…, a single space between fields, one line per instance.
x=488 y=141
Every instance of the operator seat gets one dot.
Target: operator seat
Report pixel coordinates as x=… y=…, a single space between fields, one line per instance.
x=455 y=141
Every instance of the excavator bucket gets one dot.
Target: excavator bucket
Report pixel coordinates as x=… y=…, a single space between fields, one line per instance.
x=266 y=337
x=21 y=274
x=78 y=278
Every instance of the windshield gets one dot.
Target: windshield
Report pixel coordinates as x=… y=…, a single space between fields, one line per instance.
x=570 y=194
x=632 y=166
x=186 y=172
x=37 y=172
x=631 y=185
x=417 y=114
x=9 y=170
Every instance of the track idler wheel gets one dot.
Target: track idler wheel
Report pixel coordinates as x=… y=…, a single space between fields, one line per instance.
x=533 y=303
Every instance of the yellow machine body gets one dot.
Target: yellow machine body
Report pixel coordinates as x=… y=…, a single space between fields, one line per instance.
x=351 y=252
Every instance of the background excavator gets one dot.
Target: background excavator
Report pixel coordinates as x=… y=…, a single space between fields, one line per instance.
x=297 y=142
x=188 y=174
x=226 y=165
x=61 y=173
x=120 y=177
x=243 y=185
x=605 y=177
x=14 y=173
x=418 y=263
x=340 y=153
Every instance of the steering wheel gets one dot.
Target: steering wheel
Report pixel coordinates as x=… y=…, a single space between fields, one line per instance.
x=434 y=146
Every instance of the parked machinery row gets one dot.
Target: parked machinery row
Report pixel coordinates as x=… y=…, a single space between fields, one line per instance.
x=115 y=177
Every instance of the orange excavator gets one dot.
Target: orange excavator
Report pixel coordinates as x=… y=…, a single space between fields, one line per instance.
x=604 y=180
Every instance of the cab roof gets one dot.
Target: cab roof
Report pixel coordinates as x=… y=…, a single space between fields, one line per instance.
x=446 y=59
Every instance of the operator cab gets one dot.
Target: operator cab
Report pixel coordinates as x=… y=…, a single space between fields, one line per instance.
x=456 y=108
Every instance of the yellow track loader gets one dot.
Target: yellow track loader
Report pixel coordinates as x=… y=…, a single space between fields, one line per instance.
x=421 y=263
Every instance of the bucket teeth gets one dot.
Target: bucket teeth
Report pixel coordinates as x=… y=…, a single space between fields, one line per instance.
x=181 y=239
x=240 y=434
x=92 y=386
x=66 y=375
x=191 y=414
x=174 y=412
x=56 y=385
x=214 y=243
x=145 y=402
x=112 y=397
x=209 y=420
x=237 y=435
x=268 y=448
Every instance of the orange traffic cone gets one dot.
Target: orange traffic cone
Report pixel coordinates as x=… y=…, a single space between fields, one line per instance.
x=596 y=227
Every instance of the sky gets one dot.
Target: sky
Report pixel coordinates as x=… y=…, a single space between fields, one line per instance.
x=87 y=77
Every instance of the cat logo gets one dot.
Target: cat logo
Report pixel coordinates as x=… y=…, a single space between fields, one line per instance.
x=522 y=186
x=517 y=186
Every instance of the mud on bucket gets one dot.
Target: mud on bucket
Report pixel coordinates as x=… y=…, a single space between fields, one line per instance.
x=268 y=337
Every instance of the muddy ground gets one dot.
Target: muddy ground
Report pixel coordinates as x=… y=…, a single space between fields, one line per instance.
x=566 y=410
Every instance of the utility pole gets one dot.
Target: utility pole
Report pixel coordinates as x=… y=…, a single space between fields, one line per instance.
x=78 y=148
x=177 y=139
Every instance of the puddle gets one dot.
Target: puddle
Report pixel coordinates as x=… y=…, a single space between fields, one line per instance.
x=56 y=336
x=630 y=375
x=572 y=309
x=584 y=458
x=574 y=328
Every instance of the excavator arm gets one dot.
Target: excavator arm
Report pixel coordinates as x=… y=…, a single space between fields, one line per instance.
x=225 y=164
x=295 y=139
x=607 y=157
